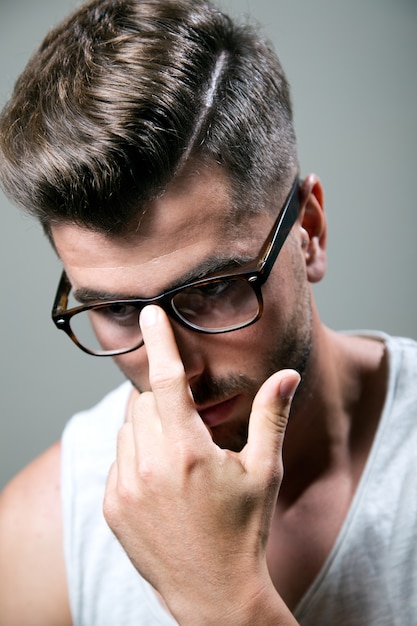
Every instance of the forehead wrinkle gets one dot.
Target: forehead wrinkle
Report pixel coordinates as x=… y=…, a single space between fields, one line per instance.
x=210 y=266
x=128 y=265
x=204 y=269
x=147 y=277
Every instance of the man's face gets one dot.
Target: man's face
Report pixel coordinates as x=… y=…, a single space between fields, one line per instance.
x=182 y=236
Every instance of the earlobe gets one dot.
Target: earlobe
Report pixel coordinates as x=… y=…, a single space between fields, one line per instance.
x=313 y=227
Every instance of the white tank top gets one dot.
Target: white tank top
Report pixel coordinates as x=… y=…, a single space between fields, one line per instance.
x=369 y=578
x=104 y=587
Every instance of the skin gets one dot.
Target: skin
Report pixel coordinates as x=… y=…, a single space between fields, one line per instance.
x=180 y=437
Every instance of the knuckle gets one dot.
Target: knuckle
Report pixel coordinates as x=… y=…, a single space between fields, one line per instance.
x=166 y=377
x=188 y=458
x=147 y=476
x=277 y=422
x=118 y=502
x=126 y=494
x=110 y=509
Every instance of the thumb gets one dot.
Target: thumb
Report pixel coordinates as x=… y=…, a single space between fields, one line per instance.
x=268 y=421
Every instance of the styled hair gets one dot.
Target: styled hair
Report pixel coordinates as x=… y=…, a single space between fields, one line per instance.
x=122 y=95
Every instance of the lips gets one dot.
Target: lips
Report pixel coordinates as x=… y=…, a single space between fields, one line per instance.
x=218 y=413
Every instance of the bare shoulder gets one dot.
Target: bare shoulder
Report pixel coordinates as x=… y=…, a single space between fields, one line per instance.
x=33 y=588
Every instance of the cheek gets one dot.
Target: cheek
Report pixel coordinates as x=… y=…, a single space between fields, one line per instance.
x=285 y=290
x=240 y=351
x=134 y=366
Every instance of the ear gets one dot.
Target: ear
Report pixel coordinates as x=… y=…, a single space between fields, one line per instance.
x=313 y=228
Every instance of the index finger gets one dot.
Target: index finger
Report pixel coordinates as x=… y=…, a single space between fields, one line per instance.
x=167 y=376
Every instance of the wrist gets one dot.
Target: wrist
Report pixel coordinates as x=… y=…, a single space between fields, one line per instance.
x=261 y=606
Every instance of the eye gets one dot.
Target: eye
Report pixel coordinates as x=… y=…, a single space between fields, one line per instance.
x=210 y=290
x=119 y=310
x=117 y=313
x=204 y=299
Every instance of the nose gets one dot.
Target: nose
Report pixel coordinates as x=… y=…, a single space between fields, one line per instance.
x=193 y=350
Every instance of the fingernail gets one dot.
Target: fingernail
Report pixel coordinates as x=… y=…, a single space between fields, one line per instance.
x=148 y=316
x=289 y=386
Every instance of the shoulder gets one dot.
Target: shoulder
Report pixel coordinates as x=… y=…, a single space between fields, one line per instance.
x=403 y=371
x=32 y=570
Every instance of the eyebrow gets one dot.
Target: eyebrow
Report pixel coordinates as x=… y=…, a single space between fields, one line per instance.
x=206 y=269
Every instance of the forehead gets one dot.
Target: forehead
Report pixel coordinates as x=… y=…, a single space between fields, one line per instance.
x=192 y=225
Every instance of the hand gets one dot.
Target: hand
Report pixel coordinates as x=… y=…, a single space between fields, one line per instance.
x=193 y=518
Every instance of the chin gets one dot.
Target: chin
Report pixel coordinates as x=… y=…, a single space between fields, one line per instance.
x=230 y=437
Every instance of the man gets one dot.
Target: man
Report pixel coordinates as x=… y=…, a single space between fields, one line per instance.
x=153 y=139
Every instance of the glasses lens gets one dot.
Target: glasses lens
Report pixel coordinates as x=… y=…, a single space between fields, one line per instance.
x=218 y=305
x=103 y=329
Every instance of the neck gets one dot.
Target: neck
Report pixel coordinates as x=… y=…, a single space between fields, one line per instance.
x=336 y=412
x=329 y=435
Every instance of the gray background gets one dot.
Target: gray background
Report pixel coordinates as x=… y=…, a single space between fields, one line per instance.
x=353 y=69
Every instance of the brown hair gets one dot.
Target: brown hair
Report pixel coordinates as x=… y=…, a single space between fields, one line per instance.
x=123 y=93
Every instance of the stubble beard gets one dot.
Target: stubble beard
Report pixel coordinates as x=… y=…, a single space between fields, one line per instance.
x=291 y=350
x=291 y=353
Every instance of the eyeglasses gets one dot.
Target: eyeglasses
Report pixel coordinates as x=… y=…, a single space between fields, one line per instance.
x=216 y=304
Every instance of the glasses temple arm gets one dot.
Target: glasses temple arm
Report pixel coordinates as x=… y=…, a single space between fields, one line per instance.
x=61 y=298
x=281 y=229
